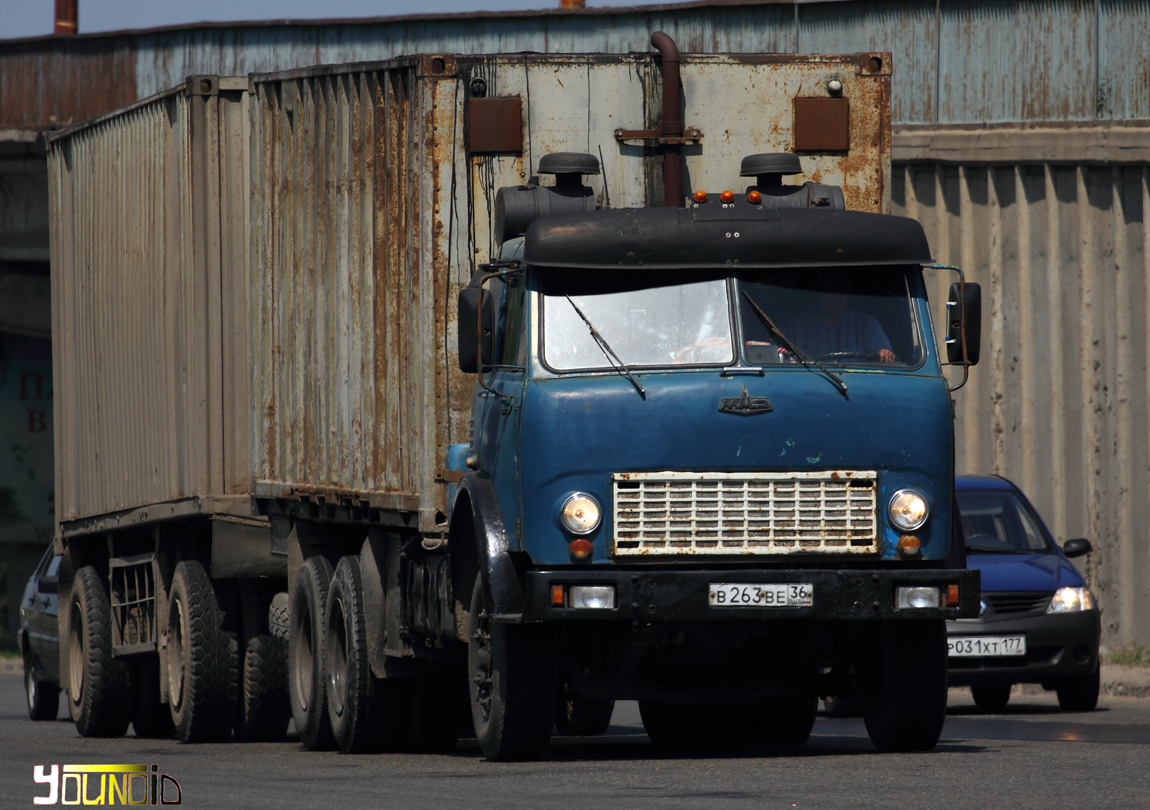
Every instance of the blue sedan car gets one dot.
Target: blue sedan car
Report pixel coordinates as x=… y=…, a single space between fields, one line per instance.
x=1039 y=623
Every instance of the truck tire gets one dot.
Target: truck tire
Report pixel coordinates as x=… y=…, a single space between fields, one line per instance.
x=279 y=617
x=262 y=709
x=992 y=697
x=677 y=726
x=433 y=724
x=578 y=716
x=100 y=686
x=511 y=683
x=1080 y=694
x=366 y=714
x=43 y=698
x=151 y=719
x=906 y=686
x=201 y=655
x=306 y=676
x=784 y=721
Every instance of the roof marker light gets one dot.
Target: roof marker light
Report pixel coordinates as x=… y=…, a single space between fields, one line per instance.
x=754 y=197
x=700 y=196
x=727 y=196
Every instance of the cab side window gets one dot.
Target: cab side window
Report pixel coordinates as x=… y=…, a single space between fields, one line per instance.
x=511 y=334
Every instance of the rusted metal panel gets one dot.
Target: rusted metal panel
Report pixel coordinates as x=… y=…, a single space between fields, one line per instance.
x=149 y=278
x=1059 y=403
x=494 y=125
x=822 y=125
x=369 y=213
x=1123 y=81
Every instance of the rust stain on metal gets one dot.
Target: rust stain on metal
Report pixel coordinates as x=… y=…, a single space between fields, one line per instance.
x=494 y=125
x=822 y=125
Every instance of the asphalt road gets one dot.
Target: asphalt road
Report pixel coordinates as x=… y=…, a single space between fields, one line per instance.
x=1032 y=755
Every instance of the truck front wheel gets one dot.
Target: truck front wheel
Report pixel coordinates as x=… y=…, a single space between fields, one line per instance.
x=99 y=690
x=511 y=674
x=906 y=686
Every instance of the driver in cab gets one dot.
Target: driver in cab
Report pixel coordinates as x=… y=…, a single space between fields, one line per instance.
x=828 y=327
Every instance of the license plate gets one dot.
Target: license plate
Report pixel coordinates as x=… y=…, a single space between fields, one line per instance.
x=986 y=646
x=745 y=594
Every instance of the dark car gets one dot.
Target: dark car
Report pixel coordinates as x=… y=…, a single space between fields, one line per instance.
x=39 y=640
x=1039 y=623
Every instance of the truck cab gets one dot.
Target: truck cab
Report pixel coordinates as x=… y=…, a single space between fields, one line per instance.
x=712 y=469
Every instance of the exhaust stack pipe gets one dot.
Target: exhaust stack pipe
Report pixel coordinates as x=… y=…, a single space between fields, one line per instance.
x=672 y=120
x=67 y=17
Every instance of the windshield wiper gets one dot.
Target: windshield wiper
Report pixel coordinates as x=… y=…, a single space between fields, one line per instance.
x=608 y=352
x=783 y=339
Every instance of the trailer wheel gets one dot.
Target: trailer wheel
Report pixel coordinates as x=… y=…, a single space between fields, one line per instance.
x=43 y=698
x=279 y=617
x=784 y=721
x=201 y=655
x=151 y=719
x=366 y=713
x=433 y=724
x=906 y=686
x=306 y=676
x=262 y=709
x=578 y=716
x=100 y=686
x=511 y=673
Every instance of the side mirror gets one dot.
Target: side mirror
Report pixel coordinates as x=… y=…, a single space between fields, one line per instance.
x=1077 y=547
x=472 y=346
x=963 y=310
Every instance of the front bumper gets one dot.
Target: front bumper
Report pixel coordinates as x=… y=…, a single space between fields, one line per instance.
x=682 y=595
x=1057 y=645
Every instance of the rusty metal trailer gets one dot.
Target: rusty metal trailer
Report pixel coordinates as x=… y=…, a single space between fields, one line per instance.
x=255 y=335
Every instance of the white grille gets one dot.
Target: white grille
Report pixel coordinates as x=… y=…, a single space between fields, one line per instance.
x=672 y=513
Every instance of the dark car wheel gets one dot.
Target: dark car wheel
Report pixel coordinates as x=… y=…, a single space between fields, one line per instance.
x=1080 y=694
x=992 y=697
x=99 y=685
x=43 y=698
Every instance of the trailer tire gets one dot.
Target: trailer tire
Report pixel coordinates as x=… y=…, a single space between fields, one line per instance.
x=43 y=698
x=784 y=721
x=511 y=683
x=906 y=686
x=262 y=709
x=151 y=719
x=433 y=724
x=279 y=617
x=201 y=655
x=100 y=686
x=306 y=676
x=366 y=714
x=578 y=716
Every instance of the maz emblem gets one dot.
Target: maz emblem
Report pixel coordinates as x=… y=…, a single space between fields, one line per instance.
x=745 y=405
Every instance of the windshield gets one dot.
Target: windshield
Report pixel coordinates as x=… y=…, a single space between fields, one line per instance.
x=660 y=326
x=999 y=522
x=839 y=316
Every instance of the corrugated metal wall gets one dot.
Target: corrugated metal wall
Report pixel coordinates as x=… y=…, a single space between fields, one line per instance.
x=149 y=304
x=1059 y=403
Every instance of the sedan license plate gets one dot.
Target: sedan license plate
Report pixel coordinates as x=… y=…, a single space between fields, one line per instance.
x=748 y=594
x=987 y=646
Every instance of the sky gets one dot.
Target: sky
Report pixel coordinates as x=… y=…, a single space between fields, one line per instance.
x=31 y=18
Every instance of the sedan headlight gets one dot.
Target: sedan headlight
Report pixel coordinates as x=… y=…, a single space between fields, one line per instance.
x=908 y=510
x=580 y=513
x=1069 y=600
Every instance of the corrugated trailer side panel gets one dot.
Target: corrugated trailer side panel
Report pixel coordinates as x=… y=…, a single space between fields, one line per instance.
x=146 y=218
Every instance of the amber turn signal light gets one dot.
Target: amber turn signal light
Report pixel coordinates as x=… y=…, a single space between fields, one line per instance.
x=952 y=596
x=699 y=196
x=754 y=197
x=909 y=545
x=580 y=549
x=557 y=596
x=727 y=196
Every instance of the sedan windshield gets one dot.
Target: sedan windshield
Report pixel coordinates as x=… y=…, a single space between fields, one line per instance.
x=999 y=523
x=661 y=326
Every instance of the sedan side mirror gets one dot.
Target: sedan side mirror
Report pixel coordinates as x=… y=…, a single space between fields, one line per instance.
x=963 y=323
x=1077 y=547
x=476 y=328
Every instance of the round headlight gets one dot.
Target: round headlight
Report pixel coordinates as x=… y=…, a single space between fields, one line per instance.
x=580 y=513
x=908 y=510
